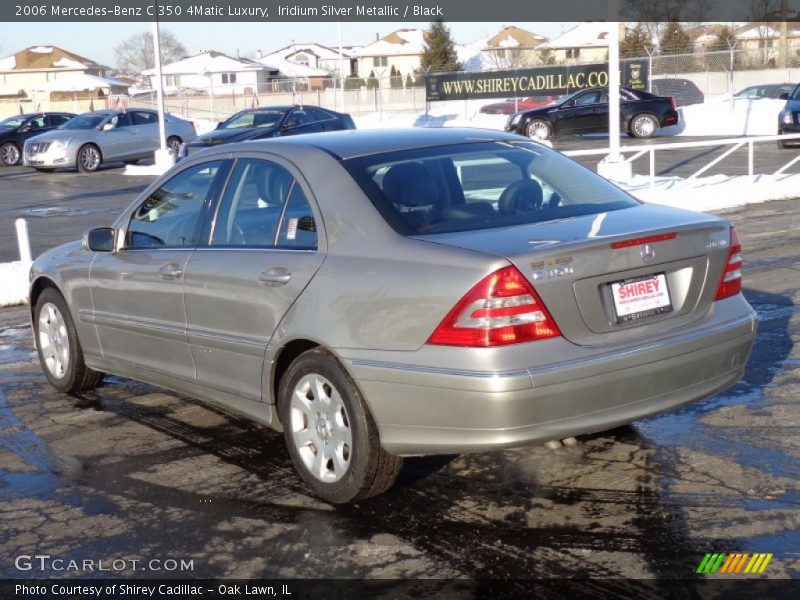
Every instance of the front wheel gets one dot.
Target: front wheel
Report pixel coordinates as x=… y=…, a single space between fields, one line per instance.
x=539 y=129
x=329 y=432
x=58 y=347
x=643 y=126
x=10 y=154
x=89 y=158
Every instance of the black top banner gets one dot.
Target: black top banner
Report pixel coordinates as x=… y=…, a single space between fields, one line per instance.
x=538 y=81
x=507 y=11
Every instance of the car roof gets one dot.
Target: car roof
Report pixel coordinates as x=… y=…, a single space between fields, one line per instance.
x=353 y=143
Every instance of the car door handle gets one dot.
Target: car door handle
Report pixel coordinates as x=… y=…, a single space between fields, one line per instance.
x=170 y=271
x=275 y=277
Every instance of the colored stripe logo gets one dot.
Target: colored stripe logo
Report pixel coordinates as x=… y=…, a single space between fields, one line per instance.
x=732 y=563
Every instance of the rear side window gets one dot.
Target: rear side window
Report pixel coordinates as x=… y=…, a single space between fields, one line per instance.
x=144 y=118
x=481 y=186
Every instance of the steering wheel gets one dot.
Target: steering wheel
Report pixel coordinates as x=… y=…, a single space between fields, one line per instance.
x=521 y=197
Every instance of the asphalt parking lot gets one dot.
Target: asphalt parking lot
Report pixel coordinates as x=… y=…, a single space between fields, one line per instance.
x=130 y=471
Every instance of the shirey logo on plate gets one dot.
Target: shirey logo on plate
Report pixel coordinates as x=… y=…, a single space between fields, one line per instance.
x=733 y=563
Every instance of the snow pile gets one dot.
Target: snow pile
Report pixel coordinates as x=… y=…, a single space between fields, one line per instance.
x=728 y=117
x=14 y=283
x=713 y=193
x=441 y=114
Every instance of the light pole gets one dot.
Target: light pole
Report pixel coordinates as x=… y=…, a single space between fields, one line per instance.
x=163 y=157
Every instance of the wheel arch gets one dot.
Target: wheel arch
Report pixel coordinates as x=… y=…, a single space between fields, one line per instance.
x=37 y=287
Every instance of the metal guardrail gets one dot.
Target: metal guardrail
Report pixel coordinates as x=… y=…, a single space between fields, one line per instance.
x=735 y=143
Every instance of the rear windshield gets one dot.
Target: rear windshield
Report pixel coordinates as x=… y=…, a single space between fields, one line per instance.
x=481 y=186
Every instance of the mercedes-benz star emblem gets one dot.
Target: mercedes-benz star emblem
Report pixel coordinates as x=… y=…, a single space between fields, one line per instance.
x=648 y=254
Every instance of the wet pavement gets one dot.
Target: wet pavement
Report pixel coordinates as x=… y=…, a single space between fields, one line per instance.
x=132 y=472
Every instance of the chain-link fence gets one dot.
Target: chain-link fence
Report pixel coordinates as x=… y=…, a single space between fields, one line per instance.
x=716 y=73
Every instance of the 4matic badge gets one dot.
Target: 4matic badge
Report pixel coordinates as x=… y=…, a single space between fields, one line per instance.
x=552 y=268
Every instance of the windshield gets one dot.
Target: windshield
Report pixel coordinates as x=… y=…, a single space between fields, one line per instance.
x=87 y=121
x=12 y=122
x=475 y=186
x=796 y=93
x=261 y=118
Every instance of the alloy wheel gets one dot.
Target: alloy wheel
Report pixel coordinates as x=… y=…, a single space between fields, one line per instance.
x=54 y=340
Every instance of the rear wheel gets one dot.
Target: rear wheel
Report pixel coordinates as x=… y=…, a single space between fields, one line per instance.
x=329 y=432
x=89 y=158
x=10 y=154
x=643 y=126
x=58 y=346
x=539 y=129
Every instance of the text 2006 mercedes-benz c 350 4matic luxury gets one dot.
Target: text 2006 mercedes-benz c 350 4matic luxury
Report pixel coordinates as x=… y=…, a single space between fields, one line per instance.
x=378 y=294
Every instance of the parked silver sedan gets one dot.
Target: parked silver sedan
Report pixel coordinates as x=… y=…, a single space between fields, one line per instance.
x=90 y=139
x=376 y=294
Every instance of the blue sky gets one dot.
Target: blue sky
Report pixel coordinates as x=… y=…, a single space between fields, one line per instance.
x=97 y=40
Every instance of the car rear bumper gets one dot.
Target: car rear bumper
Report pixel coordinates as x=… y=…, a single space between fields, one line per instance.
x=422 y=410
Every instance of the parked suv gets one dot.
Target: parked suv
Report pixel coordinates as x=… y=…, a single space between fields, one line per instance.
x=684 y=91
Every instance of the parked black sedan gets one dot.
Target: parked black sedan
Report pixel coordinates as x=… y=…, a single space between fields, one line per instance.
x=15 y=130
x=271 y=121
x=586 y=111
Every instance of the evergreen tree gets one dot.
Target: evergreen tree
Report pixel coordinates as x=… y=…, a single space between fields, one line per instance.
x=440 y=50
x=637 y=43
x=675 y=40
x=409 y=81
x=395 y=79
x=372 y=81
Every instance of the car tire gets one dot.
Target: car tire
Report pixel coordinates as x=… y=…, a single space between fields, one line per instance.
x=539 y=129
x=10 y=154
x=58 y=346
x=331 y=436
x=174 y=144
x=89 y=158
x=44 y=170
x=643 y=125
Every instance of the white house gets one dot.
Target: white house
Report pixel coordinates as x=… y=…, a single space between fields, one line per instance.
x=216 y=72
x=401 y=49
x=586 y=42
x=317 y=56
x=37 y=66
x=290 y=73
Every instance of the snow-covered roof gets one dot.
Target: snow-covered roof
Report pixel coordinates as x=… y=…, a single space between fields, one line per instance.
x=80 y=82
x=760 y=31
x=46 y=58
x=318 y=50
x=403 y=42
x=514 y=37
x=588 y=34
x=291 y=69
x=208 y=62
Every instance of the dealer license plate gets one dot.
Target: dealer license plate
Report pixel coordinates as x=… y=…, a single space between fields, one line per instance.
x=641 y=297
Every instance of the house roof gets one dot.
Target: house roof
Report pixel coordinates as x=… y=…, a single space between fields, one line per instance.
x=405 y=42
x=514 y=37
x=318 y=50
x=80 y=82
x=287 y=68
x=759 y=31
x=589 y=34
x=207 y=62
x=46 y=58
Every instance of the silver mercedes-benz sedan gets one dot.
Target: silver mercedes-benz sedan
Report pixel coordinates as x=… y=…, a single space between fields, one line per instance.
x=90 y=139
x=377 y=294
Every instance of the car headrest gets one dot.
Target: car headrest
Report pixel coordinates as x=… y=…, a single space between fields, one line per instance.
x=273 y=184
x=409 y=184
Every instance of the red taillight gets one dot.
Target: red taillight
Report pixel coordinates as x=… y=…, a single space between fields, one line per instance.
x=502 y=309
x=674 y=104
x=731 y=282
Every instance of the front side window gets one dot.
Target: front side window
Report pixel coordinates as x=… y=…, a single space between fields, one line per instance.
x=170 y=216
x=486 y=185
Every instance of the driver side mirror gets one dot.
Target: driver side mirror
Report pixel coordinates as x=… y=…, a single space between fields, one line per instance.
x=25 y=129
x=108 y=126
x=291 y=123
x=784 y=96
x=100 y=239
x=219 y=125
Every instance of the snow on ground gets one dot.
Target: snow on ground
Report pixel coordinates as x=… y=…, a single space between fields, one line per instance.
x=14 y=283
x=728 y=117
x=713 y=193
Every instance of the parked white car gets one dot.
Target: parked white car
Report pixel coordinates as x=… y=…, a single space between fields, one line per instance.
x=90 y=139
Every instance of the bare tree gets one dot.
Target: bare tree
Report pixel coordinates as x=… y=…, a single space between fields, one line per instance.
x=135 y=53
